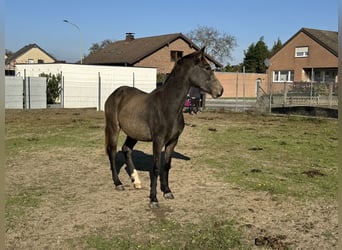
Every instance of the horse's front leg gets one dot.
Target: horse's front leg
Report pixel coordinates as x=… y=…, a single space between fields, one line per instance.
x=164 y=173
x=157 y=148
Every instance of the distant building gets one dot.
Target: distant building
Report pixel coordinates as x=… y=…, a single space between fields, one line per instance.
x=310 y=55
x=156 y=51
x=29 y=54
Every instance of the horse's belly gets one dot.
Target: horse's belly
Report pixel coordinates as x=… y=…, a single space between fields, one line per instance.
x=136 y=129
x=137 y=134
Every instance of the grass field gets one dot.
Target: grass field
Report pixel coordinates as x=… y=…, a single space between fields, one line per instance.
x=241 y=181
x=278 y=155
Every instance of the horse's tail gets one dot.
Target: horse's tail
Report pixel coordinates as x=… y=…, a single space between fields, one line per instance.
x=106 y=127
x=112 y=125
x=110 y=113
x=106 y=140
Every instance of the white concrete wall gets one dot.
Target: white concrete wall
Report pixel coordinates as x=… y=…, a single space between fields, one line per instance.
x=13 y=92
x=81 y=82
x=36 y=93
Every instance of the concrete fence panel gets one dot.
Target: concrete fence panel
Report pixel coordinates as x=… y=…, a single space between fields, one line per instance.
x=13 y=92
x=35 y=94
x=87 y=86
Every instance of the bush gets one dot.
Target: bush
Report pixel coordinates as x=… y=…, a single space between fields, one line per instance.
x=53 y=87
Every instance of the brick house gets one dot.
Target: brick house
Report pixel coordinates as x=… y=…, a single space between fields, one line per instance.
x=28 y=54
x=310 y=55
x=156 y=51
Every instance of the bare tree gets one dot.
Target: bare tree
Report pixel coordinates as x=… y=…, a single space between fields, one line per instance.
x=218 y=44
x=96 y=46
x=8 y=52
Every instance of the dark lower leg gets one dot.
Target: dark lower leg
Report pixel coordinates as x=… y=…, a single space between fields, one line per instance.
x=164 y=178
x=111 y=136
x=154 y=176
x=111 y=155
x=164 y=175
x=153 y=188
x=127 y=149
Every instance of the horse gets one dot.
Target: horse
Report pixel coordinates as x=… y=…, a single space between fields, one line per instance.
x=156 y=117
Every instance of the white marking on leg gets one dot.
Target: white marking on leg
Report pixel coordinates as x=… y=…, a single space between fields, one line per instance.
x=135 y=179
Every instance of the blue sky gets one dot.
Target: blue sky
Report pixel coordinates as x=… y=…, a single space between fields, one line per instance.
x=40 y=21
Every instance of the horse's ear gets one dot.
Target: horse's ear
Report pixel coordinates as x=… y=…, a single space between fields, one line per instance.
x=200 y=53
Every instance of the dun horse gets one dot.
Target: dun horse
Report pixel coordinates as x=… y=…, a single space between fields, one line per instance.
x=156 y=117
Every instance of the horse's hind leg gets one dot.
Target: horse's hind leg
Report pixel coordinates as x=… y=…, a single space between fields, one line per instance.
x=127 y=149
x=111 y=136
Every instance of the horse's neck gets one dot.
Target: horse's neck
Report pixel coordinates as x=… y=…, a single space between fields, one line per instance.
x=177 y=88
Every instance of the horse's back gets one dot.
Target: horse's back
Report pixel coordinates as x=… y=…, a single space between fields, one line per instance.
x=122 y=95
x=125 y=91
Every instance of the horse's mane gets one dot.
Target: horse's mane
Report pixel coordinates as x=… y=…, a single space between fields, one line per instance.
x=178 y=63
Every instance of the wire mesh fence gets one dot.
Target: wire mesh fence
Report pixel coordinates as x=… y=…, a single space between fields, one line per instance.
x=289 y=94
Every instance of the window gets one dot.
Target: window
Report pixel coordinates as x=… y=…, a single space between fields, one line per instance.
x=175 y=55
x=30 y=61
x=302 y=52
x=40 y=61
x=283 y=76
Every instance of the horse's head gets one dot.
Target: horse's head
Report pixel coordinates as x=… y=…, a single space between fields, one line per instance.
x=202 y=76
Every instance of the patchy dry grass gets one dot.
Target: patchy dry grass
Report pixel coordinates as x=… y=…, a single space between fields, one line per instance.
x=292 y=156
x=269 y=181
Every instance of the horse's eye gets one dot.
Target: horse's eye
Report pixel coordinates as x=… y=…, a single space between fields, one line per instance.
x=208 y=67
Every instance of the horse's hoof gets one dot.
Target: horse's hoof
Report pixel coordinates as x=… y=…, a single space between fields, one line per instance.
x=120 y=188
x=137 y=185
x=168 y=195
x=154 y=204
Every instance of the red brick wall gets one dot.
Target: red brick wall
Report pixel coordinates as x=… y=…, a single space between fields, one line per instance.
x=233 y=82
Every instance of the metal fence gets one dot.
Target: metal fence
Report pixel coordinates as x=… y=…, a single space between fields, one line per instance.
x=290 y=94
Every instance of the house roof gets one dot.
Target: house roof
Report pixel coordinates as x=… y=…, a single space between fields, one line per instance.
x=25 y=49
x=327 y=39
x=132 y=50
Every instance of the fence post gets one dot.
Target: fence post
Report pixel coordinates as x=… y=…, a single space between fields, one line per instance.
x=270 y=94
x=62 y=90
x=99 y=92
x=28 y=93
x=133 y=80
x=311 y=85
x=244 y=87
x=24 y=90
x=285 y=93
x=330 y=94
x=236 y=90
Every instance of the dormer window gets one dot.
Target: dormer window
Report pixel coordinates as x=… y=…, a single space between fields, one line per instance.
x=302 y=52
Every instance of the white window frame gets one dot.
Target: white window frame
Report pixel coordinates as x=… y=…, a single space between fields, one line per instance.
x=302 y=51
x=283 y=76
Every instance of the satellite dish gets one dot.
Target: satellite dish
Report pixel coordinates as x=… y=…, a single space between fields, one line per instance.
x=267 y=62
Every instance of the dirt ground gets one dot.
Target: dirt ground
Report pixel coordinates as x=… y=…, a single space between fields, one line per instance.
x=78 y=199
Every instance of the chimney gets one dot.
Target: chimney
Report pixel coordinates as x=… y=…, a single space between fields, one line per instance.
x=129 y=37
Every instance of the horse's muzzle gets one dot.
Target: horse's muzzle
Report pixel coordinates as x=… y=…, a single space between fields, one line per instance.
x=218 y=92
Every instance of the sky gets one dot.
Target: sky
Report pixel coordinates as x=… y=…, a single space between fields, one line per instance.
x=41 y=21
